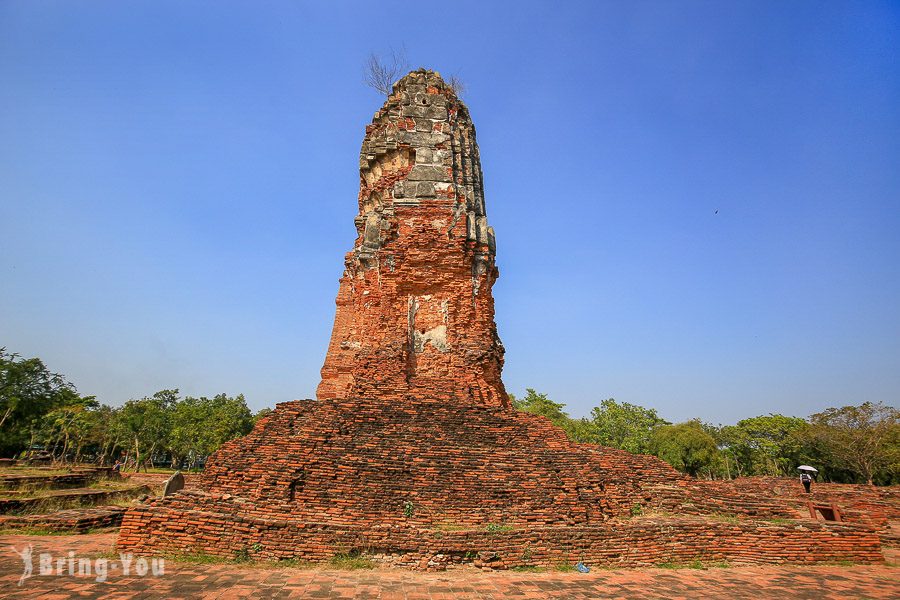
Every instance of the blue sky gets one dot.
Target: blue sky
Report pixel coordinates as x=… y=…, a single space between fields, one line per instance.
x=178 y=183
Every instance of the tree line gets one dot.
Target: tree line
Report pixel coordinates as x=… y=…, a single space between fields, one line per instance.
x=42 y=414
x=850 y=444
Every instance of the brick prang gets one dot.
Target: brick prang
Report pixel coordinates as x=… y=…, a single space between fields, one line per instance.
x=411 y=452
x=415 y=314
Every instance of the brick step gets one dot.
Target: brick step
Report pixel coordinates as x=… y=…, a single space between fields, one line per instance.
x=78 y=520
x=70 y=498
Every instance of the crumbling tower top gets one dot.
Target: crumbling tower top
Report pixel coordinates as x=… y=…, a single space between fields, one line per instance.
x=415 y=314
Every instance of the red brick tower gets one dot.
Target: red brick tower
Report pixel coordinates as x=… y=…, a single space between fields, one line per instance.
x=415 y=315
x=411 y=453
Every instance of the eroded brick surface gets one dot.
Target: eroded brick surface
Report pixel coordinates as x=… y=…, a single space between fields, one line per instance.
x=415 y=315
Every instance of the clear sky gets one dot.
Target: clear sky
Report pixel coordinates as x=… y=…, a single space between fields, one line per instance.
x=697 y=204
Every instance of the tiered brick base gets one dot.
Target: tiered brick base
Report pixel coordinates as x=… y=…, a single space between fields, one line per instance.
x=79 y=477
x=75 y=520
x=625 y=543
x=434 y=483
x=71 y=497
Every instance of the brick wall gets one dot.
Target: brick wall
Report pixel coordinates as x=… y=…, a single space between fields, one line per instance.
x=625 y=543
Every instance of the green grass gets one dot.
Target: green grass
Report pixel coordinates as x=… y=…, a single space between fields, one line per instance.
x=344 y=561
x=351 y=562
x=529 y=569
x=26 y=493
x=239 y=558
x=54 y=503
x=46 y=490
x=724 y=518
x=564 y=567
x=652 y=513
x=33 y=471
x=242 y=555
x=694 y=564
x=840 y=563
x=165 y=470
x=498 y=528
x=110 y=484
x=36 y=531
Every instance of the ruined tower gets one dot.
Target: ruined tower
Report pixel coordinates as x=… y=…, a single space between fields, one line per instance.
x=411 y=453
x=415 y=315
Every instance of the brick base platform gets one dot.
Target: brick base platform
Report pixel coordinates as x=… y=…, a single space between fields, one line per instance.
x=625 y=543
x=431 y=484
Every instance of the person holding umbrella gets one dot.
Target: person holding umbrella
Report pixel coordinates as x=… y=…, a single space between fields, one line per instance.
x=806 y=476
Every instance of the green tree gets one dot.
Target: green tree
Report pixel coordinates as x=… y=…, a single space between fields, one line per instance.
x=625 y=426
x=765 y=445
x=539 y=404
x=67 y=429
x=201 y=425
x=148 y=422
x=185 y=438
x=685 y=446
x=579 y=430
x=230 y=418
x=265 y=412
x=28 y=390
x=863 y=439
x=110 y=434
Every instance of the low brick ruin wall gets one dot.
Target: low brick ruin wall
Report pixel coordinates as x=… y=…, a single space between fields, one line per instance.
x=73 y=520
x=875 y=505
x=77 y=478
x=621 y=543
x=76 y=497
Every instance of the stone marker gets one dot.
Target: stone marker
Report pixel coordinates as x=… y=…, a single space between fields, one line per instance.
x=173 y=484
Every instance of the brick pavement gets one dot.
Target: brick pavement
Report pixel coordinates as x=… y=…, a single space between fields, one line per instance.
x=224 y=581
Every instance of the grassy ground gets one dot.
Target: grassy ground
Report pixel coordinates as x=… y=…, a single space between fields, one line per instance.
x=47 y=531
x=29 y=471
x=105 y=485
